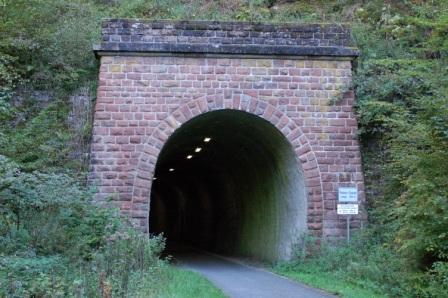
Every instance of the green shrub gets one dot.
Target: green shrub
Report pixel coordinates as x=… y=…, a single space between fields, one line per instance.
x=51 y=40
x=437 y=280
x=117 y=268
x=49 y=213
x=54 y=242
x=366 y=263
x=130 y=255
x=41 y=141
x=31 y=276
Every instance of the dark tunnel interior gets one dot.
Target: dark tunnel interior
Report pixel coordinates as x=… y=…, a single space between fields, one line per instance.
x=228 y=182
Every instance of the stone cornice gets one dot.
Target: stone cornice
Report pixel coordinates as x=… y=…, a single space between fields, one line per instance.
x=124 y=37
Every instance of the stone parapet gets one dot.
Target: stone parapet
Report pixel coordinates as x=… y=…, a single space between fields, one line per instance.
x=236 y=38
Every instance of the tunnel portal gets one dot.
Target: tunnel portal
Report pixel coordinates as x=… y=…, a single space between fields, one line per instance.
x=228 y=181
x=275 y=100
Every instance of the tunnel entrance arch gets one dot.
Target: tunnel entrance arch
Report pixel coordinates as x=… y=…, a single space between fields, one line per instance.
x=229 y=181
x=253 y=147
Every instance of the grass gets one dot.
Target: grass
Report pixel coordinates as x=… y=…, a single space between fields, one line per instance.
x=328 y=282
x=181 y=283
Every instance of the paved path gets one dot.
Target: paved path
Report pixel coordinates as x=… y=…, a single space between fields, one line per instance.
x=237 y=280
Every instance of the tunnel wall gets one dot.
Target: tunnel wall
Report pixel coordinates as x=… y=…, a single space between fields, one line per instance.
x=146 y=91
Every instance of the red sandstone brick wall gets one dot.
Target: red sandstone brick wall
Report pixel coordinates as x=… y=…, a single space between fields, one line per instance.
x=142 y=100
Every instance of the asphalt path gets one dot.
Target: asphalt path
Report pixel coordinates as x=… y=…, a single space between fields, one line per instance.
x=238 y=280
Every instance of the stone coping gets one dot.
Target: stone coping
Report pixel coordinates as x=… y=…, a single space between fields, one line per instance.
x=131 y=36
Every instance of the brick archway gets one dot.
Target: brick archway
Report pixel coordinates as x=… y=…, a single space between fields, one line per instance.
x=306 y=158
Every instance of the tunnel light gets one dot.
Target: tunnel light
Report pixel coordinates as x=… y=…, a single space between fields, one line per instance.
x=198 y=149
x=155 y=178
x=171 y=170
x=207 y=139
x=189 y=156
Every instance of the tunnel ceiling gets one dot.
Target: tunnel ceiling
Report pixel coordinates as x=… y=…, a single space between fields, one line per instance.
x=234 y=135
x=243 y=193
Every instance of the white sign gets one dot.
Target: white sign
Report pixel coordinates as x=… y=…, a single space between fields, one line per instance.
x=347 y=209
x=348 y=194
